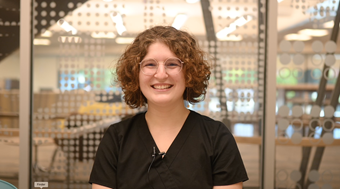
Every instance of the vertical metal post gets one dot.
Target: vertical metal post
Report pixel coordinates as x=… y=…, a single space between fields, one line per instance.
x=25 y=125
x=260 y=65
x=268 y=135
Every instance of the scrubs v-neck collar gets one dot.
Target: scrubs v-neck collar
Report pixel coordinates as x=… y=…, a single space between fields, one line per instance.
x=163 y=164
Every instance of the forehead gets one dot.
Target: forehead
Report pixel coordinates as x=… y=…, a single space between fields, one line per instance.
x=159 y=50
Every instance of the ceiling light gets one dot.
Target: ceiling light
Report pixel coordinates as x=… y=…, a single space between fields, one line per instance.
x=109 y=35
x=224 y=32
x=232 y=27
x=297 y=37
x=41 y=42
x=107 y=0
x=120 y=29
x=179 y=21
x=69 y=39
x=231 y=38
x=329 y=24
x=192 y=1
x=279 y=1
x=124 y=40
x=66 y=26
x=47 y=33
x=314 y=32
x=118 y=20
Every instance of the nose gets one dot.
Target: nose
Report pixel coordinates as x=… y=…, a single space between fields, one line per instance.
x=161 y=72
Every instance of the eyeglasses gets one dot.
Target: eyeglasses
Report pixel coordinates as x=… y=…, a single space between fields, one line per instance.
x=171 y=65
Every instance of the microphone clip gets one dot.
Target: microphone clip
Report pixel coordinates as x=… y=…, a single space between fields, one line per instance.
x=154 y=154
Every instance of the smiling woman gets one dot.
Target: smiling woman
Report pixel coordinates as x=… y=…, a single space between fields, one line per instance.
x=165 y=87
x=168 y=146
x=196 y=69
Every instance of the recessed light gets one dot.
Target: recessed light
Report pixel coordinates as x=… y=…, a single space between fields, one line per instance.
x=314 y=32
x=124 y=40
x=41 y=42
x=297 y=37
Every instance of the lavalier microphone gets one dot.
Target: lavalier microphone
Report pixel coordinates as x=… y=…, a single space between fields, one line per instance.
x=154 y=152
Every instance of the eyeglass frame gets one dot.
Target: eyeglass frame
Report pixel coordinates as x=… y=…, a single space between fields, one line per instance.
x=140 y=64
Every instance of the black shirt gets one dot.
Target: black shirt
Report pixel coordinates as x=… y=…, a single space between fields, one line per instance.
x=204 y=154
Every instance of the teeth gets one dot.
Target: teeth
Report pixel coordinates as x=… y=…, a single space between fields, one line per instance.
x=161 y=86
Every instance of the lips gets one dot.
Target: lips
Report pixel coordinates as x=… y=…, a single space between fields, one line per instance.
x=161 y=86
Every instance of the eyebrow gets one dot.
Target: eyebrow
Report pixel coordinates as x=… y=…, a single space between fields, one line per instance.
x=163 y=60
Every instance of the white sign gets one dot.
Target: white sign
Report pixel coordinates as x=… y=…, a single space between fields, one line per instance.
x=41 y=184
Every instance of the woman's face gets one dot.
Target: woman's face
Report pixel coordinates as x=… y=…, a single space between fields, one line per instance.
x=162 y=88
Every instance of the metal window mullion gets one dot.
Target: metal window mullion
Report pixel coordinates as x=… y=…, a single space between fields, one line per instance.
x=25 y=136
x=268 y=137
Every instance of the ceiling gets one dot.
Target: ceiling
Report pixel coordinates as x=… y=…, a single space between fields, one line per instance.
x=89 y=16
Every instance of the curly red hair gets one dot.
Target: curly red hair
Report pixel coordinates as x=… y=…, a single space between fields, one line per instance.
x=196 y=68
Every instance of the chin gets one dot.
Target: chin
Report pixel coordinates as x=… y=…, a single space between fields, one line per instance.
x=164 y=102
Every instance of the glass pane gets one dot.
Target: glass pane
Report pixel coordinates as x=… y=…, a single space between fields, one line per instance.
x=307 y=122
x=75 y=98
x=9 y=91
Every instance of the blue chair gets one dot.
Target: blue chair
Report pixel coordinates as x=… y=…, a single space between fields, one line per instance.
x=6 y=185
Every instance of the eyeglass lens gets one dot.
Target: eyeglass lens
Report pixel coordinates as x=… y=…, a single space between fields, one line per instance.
x=171 y=65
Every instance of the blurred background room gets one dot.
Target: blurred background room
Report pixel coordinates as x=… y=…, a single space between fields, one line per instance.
x=275 y=84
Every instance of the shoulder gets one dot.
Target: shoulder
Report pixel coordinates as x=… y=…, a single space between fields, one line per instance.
x=209 y=123
x=125 y=124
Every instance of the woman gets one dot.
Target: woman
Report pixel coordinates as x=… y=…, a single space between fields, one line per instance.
x=168 y=146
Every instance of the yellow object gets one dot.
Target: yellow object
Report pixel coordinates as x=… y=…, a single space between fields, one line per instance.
x=104 y=109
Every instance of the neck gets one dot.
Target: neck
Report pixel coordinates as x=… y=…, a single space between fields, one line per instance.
x=166 y=117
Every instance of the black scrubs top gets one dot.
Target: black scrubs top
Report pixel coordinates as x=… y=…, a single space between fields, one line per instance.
x=204 y=154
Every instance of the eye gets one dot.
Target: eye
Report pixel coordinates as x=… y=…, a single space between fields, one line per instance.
x=173 y=63
x=149 y=63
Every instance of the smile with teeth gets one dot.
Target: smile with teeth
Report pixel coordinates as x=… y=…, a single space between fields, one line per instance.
x=161 y=86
